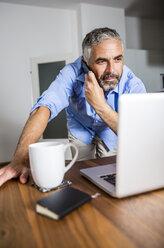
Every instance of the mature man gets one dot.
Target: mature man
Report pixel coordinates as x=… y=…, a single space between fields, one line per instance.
x=89 y=89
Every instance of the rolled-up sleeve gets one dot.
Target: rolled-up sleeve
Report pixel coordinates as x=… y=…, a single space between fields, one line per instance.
x=57 y=95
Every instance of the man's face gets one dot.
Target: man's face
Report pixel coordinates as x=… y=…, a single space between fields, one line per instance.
x=106 y=61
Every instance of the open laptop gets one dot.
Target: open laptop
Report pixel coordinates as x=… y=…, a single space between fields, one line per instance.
x=140 y=156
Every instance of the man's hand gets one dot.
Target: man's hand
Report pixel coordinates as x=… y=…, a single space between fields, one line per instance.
x=13 y=170
x=94 y=94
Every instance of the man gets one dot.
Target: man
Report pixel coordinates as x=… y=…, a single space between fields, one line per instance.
x=89 y=89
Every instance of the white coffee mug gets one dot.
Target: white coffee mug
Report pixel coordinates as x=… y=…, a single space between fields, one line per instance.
x=47 y=163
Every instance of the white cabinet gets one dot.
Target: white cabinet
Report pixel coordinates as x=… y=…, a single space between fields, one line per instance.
x=148 y=65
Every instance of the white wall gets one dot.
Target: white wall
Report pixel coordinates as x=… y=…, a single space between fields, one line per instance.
x=94 y=16
x=145 y=50
x=144 y=33
x=27 y=32
x=147 y=65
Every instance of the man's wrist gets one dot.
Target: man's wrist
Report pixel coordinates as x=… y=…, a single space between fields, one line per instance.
x=109 y=116
x=19 y=160
x=103 y=109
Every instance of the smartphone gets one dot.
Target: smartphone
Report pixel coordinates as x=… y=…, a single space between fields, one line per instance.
x=88 y=67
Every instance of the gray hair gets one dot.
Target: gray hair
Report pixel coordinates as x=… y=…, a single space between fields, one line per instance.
x=95 y=37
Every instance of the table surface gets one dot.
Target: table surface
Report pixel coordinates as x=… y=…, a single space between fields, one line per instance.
x=136 y=221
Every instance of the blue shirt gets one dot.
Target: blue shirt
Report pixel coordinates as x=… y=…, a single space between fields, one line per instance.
x=67 y=91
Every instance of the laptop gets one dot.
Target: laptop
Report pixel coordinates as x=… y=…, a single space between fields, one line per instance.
x=140 y=156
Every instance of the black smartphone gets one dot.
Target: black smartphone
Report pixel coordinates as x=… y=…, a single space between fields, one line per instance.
x=85 y=63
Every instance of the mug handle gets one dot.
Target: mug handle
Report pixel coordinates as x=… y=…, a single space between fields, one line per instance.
x=75 y=157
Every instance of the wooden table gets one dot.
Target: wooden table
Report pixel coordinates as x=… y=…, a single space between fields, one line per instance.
x=136 y=221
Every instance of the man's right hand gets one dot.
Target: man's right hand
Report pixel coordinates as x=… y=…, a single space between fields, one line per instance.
x=14 y=170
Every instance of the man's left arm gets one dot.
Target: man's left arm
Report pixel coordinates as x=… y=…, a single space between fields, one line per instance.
x=94 y=95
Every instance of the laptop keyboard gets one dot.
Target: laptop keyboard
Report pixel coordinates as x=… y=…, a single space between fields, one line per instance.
x=111 y=178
